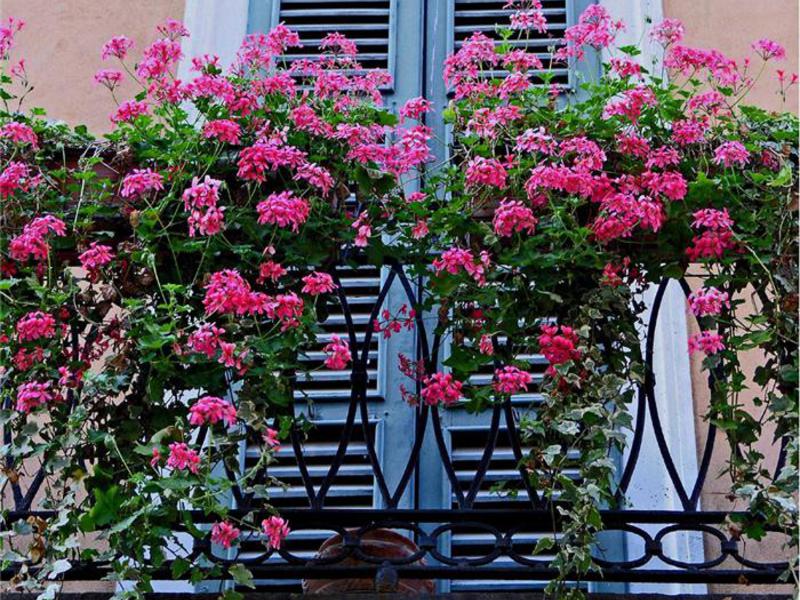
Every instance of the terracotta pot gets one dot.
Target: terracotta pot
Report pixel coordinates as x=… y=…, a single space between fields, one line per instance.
x=377 y=543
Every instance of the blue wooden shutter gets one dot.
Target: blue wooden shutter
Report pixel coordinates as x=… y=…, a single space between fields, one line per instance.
x=385 y=31
x=448 y=24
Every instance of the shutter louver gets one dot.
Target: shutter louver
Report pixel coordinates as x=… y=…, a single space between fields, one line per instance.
x=353 y=487
x=501 y=488
x=318 y=383
x=485 y=16
x=365 y=22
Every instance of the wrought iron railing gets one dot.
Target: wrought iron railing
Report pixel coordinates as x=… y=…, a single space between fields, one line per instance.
x=505 y=549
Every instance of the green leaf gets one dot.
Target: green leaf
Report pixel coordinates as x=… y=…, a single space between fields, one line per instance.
x=242 y=575
x=543 y=545
x=58 y=567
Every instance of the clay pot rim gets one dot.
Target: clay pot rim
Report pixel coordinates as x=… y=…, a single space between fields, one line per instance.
x=387 y=535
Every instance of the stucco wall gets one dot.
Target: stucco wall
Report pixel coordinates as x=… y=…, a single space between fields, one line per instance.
x=61 y=45
x=732 y=25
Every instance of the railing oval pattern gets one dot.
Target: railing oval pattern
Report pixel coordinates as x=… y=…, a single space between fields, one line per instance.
x=431 y=528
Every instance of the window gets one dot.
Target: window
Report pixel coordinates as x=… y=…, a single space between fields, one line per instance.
x=410 y=38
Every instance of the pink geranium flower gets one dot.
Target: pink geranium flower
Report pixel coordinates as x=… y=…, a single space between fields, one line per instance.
x=210 y=410
x=707 y=342
x=441 y=388
x=318 y=283
x=486 y=171
x=708 y=301
x=35 y=325
x=283 y=209
x=32 y=395
x=19 y=133
x=140 y=181
x=223 y=130
x=95 y=257
x=511 y=380
x=731 y=153
x=276 y=530
x=512 y=216
x=768 y=49
x=183 y=458
x=338 y=353
x=224 y=534
x=117 y=46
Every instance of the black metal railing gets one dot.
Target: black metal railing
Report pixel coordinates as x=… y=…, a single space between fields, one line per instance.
x=505 y=533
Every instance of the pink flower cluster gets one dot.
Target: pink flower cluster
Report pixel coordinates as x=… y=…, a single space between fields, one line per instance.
x=200 y=200
x=210 y=410
x=95 y=257
x=391 y=324
x=630 y=103
x=36 y=325
x=513 y=216
x=558 y=344
x=338 y=353
x=455 y=259
x=19 y=133
x=717 y=236
x=117 y=46
x=768 y=49
x=668 y=32
x=283 y=209
x=140 y=181
x=511 y=380
x=317 y=283
x=32 y=395
x=32 y=243
x=270 y=271
x=707 y=342
x=268 y=155
x=109 y=78
x=228 y=293
x=415 y=108
x=276 y=529
x=486 y=122
x=16 y=176
x=731 y=153
x=224 y=534
x=441 y=388
x=595 y=28
x=486 y=171
x=158 y=59
x=527 y=15
x=224 y=130
x=183 y=458
x=708 y=301
x=206 y=340
x=689 y=131
x=363 y=229
x=129 y=110
x=7 y=32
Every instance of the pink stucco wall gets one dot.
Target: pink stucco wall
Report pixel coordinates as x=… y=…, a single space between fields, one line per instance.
x=732 y=25
x=61 y=45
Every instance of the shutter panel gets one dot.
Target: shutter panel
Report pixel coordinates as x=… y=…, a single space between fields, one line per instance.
x=470 y=16
x=322 y=396
x=366 y=22
x=361 y=286
x=371 y=24
x=501 y=488
x=353 y=487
